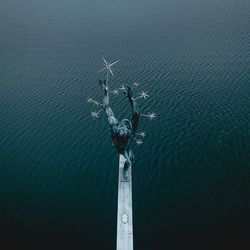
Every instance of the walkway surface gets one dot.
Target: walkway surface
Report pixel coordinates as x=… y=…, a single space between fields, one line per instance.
x=124 y=239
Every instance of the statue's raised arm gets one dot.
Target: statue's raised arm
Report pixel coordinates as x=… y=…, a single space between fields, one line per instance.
x=108 y=111
x=122 y=132
x=135 y=110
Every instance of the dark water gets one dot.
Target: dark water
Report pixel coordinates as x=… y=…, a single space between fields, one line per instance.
x=58 y=170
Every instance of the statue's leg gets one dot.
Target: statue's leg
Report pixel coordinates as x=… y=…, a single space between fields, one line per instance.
x=131 y=155
x=127 y=164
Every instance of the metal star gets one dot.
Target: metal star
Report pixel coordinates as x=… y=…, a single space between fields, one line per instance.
x=144 y=94
x=136 y=84
x=108 y=66
x=89 y=100
x=139 y=142
x=122 y=87
x=116 y=92
x=143 y=134
x=151 y=116
x=95 y=114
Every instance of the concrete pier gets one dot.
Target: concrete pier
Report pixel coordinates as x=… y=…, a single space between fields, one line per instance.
x=124 y=239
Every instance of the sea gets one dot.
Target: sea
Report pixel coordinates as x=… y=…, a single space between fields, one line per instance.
x=58 y=168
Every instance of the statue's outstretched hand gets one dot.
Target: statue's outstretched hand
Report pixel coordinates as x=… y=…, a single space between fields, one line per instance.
x=103 y=84
x=125 y=92
x=129 y=94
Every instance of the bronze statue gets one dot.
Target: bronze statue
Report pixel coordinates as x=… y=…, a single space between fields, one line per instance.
x=123 y=132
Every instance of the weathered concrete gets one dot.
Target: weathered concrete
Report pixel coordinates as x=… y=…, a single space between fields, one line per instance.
x=124 y=239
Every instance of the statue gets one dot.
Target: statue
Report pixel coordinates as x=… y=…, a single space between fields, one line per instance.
x=123 y=132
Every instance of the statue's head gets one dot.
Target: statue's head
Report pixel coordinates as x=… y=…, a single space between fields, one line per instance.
x=124 y=127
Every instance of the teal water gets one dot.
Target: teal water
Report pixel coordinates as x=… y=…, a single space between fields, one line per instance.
x=58 y=170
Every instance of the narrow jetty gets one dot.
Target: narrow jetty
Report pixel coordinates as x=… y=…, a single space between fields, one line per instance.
x=124 y=240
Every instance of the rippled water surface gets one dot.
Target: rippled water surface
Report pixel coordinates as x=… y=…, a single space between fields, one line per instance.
x=58 y=169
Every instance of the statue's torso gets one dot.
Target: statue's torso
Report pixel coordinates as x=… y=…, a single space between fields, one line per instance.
x=121 y=137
